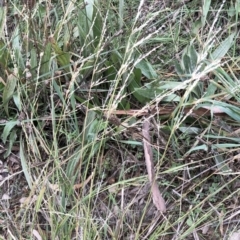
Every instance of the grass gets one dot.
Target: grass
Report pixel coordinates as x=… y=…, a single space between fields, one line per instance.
x=77 y=81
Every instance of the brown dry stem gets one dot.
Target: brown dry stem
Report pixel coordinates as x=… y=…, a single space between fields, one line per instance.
x=156 y=194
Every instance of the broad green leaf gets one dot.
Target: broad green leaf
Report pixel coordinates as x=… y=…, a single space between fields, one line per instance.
x=232 y=10
x=34 y=62
x=198 y=90
x=87 y=68
x=17 y=100
x=7 y=129
x=196 y=26
x=193 y=55
x=124 y=104
x=225 y=145
x=135 y=89
x=40 y=198
x=197 y=148
x=116 y=58
x=45 y=63
x=90 y=123
x=211 y=89
x=187 y=64
x=3 y=12
x=190 y=130
x=4 y=54
x=221 y=107
x=8 y=91
x=223 y=48
x=237 y=6
x=112 y=65
x=148 y=93
x=131 y=142
x=135 y=84
x=205 y=10
x=127 y=105
x=172 y=98
x=189 y=221
x=66 y=38
x=169 y=85
x=189 y=59
x=180 y=71
x=111 y=72
x=93 y=127
x=59 y=92
x=176 y=39
x=176 y=168
x=121 y=12
x=25 y=165
x=17 y=46
x=73 y=164
x=151 y=93
x=85 y=103
x=222 y=137
x=12 y=139
x=97 y=25
x=94 y=21
x=214 y=147
x=83 y=31
x=74 y=107
x=160 y=40
x=89 y=9
x=2 y=84
x=147 y=69
x=63 y=58
x=221 y=165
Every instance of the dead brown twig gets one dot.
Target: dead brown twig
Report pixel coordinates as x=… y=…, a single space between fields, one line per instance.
x=167 y=110
x=156 y=195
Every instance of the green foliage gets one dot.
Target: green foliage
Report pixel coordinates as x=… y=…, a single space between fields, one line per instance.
x=188 y=64
x=7 y=129
x=8 y=91
x=74 y=76
x=224 y=47
x=206 y=7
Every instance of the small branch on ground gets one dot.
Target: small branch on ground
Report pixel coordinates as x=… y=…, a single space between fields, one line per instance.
x=156 y=194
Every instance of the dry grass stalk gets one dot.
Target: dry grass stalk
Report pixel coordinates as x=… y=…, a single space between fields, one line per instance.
x=156 y=194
